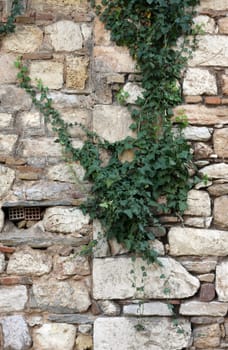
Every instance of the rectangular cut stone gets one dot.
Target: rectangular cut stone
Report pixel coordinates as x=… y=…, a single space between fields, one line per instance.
x=201 y=115
x=198 y=81
x=223 y=25
x=189 y=241
x=76 y=72
x=160 y=333
x=6 y=120
x=199 y=265
x=215 y=171
x=220 y=212
x=64 y=7
x=212 y=50
x=14 y=99
x=112 y=122
x=148 y=309
x=7 y=143
x=41 y=147
x=113 y=59
x=207 y=336
x=198 y=308
x=13 y=298
x=195 y=133
x=222 y=281
x=198 y=203
x=220 y=139
x=113 y=279
x=213 y=5
x=8 y=71
x=50 y=72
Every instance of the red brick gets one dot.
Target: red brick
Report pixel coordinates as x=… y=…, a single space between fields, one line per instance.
x=207 y=292
x=4 y=249
x=12 y=280
x=193 y=99
x=213 y=100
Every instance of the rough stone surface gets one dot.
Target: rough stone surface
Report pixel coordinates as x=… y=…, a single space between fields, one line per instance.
x=65 y=36
x=215 y=171
x=201 y=115
x=7 y=177
x=133 y=91
x=29 y=262
x=76 y=72
x=6 y=120
x=190 y=241
x=198 y=82
x=223 y=25
x=16 y=333
x=55 y=336
x=225 y=84
x=112 y=122
x=26 y=39
x=221 y=281
x=199 y=308
x=102 y=247
x=195 y=133
x=113 y=279
x=158 y=333
x=198 y=203
x=2 y=221
x=212 y=4
x=2 y=262
x=7 y=144
x=220 y=139
x=8 y=72
x=109 y=308
x=202 y=150
x=207 y=292
x=155 y=308
x=199 y=265
x=13 y=298
x=50 y=72
x=220 y=211
x=64 y=220
x=218 y=189
x=31 y=120
x=84 y=342
x=199 y=222
x=65 y=7
x=207 y=23
x=207 y=336
x=211 y=51
x=14 y=99
x=61 y=296
x=71 y=265
x=66 y=173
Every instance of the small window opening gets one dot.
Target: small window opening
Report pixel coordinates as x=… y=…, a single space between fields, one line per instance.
x=23 y=213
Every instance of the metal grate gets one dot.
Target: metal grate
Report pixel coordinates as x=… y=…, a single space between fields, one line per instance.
x=20 y=213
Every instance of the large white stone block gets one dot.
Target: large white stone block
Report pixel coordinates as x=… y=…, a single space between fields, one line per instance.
x=199 y=81
x=199 y=203
x=13 y=298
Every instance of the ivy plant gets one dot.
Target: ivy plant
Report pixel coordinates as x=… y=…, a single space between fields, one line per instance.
x=129 y=197
x=9 y=25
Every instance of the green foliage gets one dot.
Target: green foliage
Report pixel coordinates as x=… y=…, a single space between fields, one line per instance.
x=126 y=196
x=9 y=26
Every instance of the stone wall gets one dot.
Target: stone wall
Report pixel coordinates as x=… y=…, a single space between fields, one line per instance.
x=50 y=296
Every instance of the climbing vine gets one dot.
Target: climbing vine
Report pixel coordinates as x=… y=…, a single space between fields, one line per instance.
x=129 y=197
x=9 y=26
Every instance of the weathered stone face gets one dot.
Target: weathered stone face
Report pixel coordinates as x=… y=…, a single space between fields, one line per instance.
x=57 y=336
x=207 y=336
x=63 y=7
x=215 y=171
x=26 y=39
x=7 y=177
x=50 y=73
x=198 y=82
x=113 y=279
x=201 y=115
x=2 y=262
x=113 y=59
x=198 y=203
x=66 y=173
x=13 y=298
x=76 y=72
x=155 y=308
x=220 y=211
x=221 y=281
x=16 y=333
x=194 y=308
x=71 y=265
x=213 y=4
x=7 y=70
x=220 y=139
x=157 y=333
x=195 y=133
x=14 y=99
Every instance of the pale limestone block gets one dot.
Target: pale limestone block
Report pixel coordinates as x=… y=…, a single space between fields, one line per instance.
x=2 y=262
x=199 y=308
x=223 y=25
x=13 y=298
x=134 y=91
x=189 y=241
x=200 y=222
x=29 y=262
x=221 y=283
x=195 y=133
x=26 y=39
x=218 y=189
x=159 y=333
x=155 y=308
x=109 y=308
x=212 y=50
x=7 y=177
x=199 y=81
x=198 y=203
x=65 y=36
x=16 y=333
x=8 y=72
x=14 y=99
x=41 y=147
x=101 y=35
x=207 y=277
x=215 y=171
x=101 y=248
x=84 y=342
x=74 y=264
x=50 y=73
x=87 y=30
x=113 y=279
x=72 y=173
x=212 y=5
x=220 y=139
x=113 y=59
x=56 y=336
x=112 y=122
x=7 y=144
x=31 y=119
x=76 y=72
x=206 y=23
x=6 y=120
x=207 y=336
x=64 y=220
x=61 y=296
x=221 y=211
x=199 y=265
x=225 y=84
x=64 y=7
x=201 y=115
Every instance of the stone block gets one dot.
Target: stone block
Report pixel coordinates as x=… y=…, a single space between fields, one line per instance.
x=61 y=296
x=65 y=36
x=113 y=279
x=109 y=308
x=50 y=72
x=101 y=35
x=199 y=265
x=63 y=172
x=64 y=8
x=212 y=50
x=215 y=171
x=201 y=115
x=6 y=120
x=16 y=333
x=13 y=298
x=206 y=336
x=64 y=220
x=84 y=342
x=212 y=5
x=41 y=147
x=199 y=308
x=29 y=262
x=121 y=333
x=31 y=120
x=2 y=220
x=220 y=139
x=134 y=91
x=76 y=72
x=2 y=262
x=202 y=150
x=14 y=99
x=26 y=39
x=220 y=211
x=207 y=277
x=189 y=241
x=212 y=100
x=199 y=81
x=195 y=133
x=8 y=72
x=223 y=25
x=7 y=177
x=218 y=189
x=113 y=59
x=112 y=122
x=101 y=249
x=225 y=84
x=54 y=336
x=74 y=264
x=198 y=203
x=155 y=308
x=207 y=292
x=206 y=23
